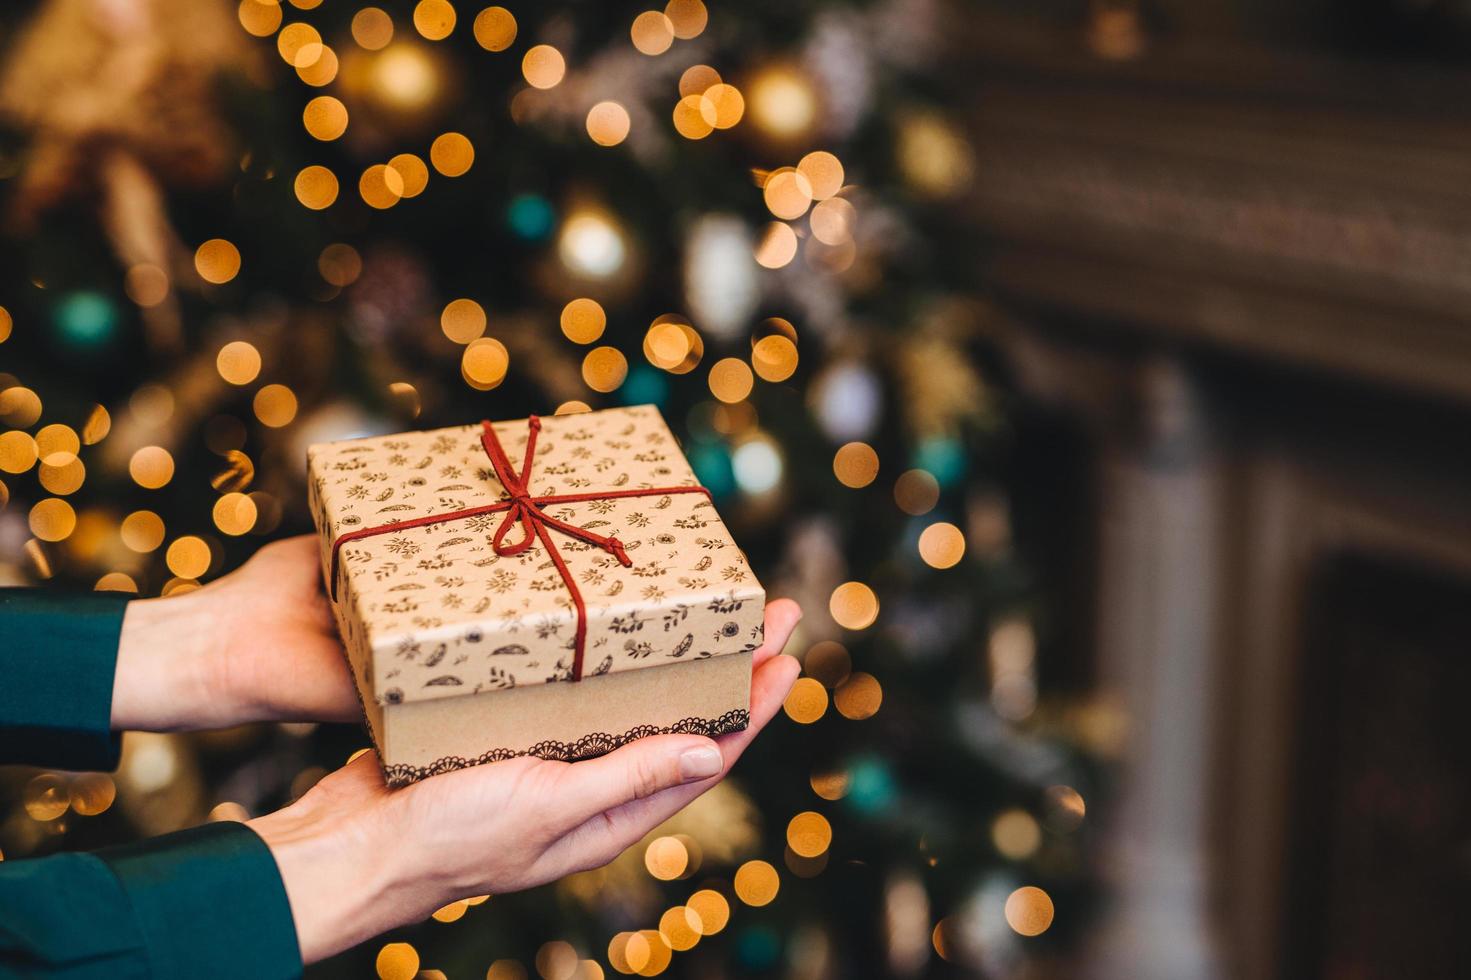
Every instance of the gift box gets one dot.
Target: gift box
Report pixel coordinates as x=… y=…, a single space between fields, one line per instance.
x=554 y=587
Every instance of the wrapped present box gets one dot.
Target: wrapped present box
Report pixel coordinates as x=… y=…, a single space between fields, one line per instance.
x=553 y=587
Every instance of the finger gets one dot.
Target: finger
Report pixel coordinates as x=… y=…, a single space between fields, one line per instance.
x=606 y=835
x=634 y=772
x=782 y=616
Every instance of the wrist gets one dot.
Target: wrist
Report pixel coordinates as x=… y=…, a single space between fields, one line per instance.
x=346 y=880
x=162 y=681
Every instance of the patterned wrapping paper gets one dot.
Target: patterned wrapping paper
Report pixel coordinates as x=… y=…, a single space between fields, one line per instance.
x=434 y=612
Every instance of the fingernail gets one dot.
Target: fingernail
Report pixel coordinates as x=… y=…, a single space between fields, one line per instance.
x=700 y=763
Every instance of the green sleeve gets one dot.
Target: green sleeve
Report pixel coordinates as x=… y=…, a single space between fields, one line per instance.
x=58 y=653
x=206 y=902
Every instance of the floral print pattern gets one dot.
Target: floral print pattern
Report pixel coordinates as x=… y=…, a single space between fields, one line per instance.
x=503 y=622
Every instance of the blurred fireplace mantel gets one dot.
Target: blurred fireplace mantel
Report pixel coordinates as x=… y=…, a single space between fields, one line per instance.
x=1246 y=275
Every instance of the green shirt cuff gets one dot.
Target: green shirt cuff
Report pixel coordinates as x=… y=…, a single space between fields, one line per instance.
x=58 y=655
x=209 y=902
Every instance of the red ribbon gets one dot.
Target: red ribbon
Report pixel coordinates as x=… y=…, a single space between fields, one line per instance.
x=536 y=524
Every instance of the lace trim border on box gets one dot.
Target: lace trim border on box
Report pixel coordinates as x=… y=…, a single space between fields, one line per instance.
x=586 y=747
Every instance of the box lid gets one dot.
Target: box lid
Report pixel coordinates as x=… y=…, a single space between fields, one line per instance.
x=438 y=612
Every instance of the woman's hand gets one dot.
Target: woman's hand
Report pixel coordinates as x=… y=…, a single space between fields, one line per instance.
x=358 y=859
x=259 y=644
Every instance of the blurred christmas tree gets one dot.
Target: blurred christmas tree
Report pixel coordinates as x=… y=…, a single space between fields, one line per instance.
x=234 y=232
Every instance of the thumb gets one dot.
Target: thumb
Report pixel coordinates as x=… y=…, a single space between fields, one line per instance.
x=634 y=772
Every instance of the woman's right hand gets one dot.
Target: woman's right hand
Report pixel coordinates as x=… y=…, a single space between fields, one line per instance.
x=358 y=859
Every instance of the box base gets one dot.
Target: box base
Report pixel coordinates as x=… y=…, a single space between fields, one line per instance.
x=566 y=721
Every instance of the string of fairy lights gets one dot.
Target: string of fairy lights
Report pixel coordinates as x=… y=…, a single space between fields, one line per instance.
x=814 y=212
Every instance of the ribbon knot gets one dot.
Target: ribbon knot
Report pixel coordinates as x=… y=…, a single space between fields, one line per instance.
x=523 y=508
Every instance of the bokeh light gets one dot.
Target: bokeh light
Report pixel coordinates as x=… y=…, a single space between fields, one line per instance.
x=806 y=702
x=451 y=154
x=463 y=320
x=607 y=123
x=316 y=187
x=188 y=557
x=756 y=883
x=543 y=66
x=859 y=697
x=856 y=464
x=275 y=406
x=730 y=379
x=412 y=171
x=941 y=545
x=495 y=28
x=434 y=19
x=372 y=28
x=687 y=18
x=583 y=320
x=652 y=32
x=604 y=368
x=151 y=467
x=238 y=362
x=484 y=363
x=325 y=118
x=217 y=261
x=809 y=834
x=1029 y=911
x=854 y=606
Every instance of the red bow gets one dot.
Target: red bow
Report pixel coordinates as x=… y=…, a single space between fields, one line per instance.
x=536 y=523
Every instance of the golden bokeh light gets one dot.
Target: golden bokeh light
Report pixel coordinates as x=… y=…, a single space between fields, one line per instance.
x=506 y=970
x=97 y=426
x=608 y=123
x=696 y=79
x=52 y=519
x=217 y=261
x=774 y=358
x=116 y=582
x=916 y=492
x=17 y=451
x=856 y=465
x=322 y=71
x=778 y=245
x=325 y=118
x=453 y=912
x=809 y=834
x=711 y=909
x=783 y=102
x=854 y=606
x=859 y=697
x=495 y=28
x=556 y=959
x=543 y=66
x=340 y=264
x=146 y=284
x=604 y=368
x=6 y=323
x=666 y=858
x=679 y=927
x=787 y=194
x=57 y=438
x=372 y=28
x=259 y=17
x=618 y=953
x=405 y=398
x=316 y=187
x=188 y=557
x=828 y=662
x=46 y=796
x=92 y=793
x=19 y=406
x=178 y=586
x=833 y=221
x=1015 y=834
x=941 y=545
x=236 y=475
x=452 y=154
x=831 y=786
x=299 y=44
x=61 y=473
x=573 y=407
x=687 y=18
x=151 y=467
x=667 y=345
x=1029 y=911
x=234 y=514
x=434 y=19
x=806 y=702
x=381 y=187
x=756 y=883
x=463 y=320
x=1064 y=808
x=238 y=362
x=583 y=320
x=727 y=103
x=652 y=32
x=731 y=379
x=694 y=117
x=275 y=406
x=142 y=531
x=412 y=171
x=824 y=173
x=484 y=363
x=397 y=961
